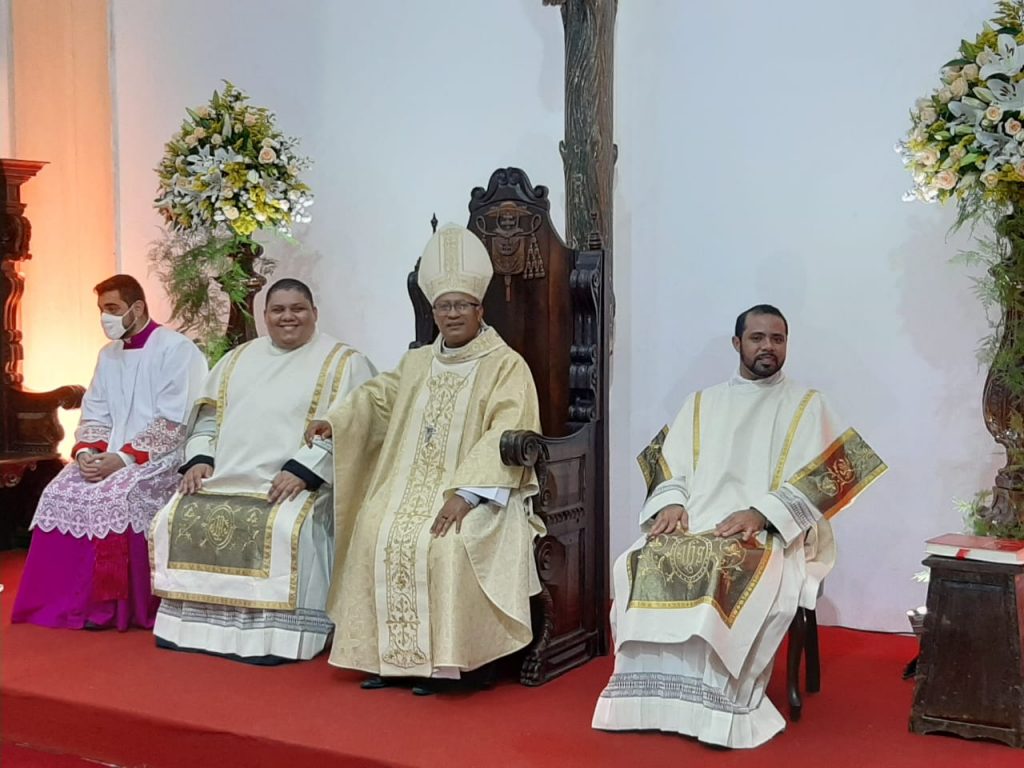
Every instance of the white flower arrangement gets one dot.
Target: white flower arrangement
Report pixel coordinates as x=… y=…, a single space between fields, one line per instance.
x=229 y=167
x=227 y=173
x=967 y=138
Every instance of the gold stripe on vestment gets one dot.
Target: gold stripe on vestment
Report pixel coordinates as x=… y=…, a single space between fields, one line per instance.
x=696 y=429
x=293 y=581
x=790 y=434
x=222 y=391
x=339 y=374
x=321 y=379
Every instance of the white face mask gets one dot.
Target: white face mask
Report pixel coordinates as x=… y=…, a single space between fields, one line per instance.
x=113 y=325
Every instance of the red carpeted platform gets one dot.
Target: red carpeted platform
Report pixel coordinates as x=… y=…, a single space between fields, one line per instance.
x=116 y=698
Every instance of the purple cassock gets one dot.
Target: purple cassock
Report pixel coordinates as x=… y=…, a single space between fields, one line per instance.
x=88 y=564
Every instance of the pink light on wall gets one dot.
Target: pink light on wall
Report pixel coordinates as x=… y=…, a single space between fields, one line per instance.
x=62 y=111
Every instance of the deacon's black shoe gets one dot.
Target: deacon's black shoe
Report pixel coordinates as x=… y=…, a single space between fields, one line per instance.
x=424 y=688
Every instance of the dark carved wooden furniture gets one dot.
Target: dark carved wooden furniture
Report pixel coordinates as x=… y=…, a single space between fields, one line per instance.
x=589 y=153
x=29 y=429
x=546 y=301
x=970 y=674
x=802 y=646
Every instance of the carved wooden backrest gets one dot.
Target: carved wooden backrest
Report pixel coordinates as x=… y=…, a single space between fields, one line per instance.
x=540 y=302
x=529 y=300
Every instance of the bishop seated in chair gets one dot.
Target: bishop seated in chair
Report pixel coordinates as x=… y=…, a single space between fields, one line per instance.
x=434 y=566
x=736 y=538
x=88 y=565
x=242 y=554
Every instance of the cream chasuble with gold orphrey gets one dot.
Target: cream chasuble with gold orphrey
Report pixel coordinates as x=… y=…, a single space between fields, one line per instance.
x=698 y=618
x=405 y=603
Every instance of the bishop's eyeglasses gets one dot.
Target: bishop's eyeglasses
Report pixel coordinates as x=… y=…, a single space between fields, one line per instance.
x=462 y=307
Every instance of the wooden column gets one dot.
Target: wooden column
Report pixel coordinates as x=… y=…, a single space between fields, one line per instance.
x=588 y=150
x=29 y=429
x=15 y=234
x=588 y=156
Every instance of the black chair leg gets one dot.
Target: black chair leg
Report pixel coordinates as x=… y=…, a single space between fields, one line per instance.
x=797 y=635
x=910 y=671
x=813 y=659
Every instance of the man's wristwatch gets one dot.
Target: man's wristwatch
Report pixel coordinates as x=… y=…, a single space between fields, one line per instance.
x=470 y=498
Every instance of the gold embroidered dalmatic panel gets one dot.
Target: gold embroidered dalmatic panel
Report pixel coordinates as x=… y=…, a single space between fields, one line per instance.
x=682 y=570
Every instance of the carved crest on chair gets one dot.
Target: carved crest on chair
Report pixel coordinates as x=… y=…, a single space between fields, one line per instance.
x=508 y=216
x=509 y=232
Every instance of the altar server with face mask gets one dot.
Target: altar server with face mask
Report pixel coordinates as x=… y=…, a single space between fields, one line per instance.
x=88 y=564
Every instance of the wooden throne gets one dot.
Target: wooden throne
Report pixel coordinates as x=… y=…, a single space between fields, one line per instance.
x=545 y=301
x=29 y=429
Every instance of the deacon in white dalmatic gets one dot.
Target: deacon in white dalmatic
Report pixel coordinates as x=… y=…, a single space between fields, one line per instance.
x=736 y=537
x=242 y=554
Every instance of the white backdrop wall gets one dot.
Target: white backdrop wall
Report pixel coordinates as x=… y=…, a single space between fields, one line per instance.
x=401 y=105
x=755 y=164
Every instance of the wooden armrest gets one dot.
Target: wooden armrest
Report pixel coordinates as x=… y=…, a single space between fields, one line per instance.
x=525 y=448
x=66 y=397
x=30 y=422
x=23 y=457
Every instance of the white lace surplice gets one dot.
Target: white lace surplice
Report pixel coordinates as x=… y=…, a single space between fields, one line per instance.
x=138 y=402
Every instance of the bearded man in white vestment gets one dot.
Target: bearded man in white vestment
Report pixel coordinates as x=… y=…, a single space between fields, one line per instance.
x=435 y=564
x=242 y=554
x=736 y=537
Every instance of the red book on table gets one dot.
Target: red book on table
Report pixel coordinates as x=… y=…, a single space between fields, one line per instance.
x=964 y=547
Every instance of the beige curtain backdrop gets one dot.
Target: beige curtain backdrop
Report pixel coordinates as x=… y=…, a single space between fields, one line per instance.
x=59 y=97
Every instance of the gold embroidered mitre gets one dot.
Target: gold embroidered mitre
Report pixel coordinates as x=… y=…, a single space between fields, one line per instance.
x=455 y=261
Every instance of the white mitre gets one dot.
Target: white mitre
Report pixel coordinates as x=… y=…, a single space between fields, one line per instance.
x=455 y=261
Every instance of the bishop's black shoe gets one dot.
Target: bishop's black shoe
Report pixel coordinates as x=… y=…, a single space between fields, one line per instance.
x=375 y=683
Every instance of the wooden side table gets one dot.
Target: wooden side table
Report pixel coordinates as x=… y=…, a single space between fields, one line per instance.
x=970 y=676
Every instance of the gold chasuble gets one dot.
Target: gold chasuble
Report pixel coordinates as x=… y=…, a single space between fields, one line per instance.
x=698 y=618
x=405 y=603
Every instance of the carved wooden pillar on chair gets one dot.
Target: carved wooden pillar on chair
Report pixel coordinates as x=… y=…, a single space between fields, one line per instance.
x=588 y=155
x=29 y=429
